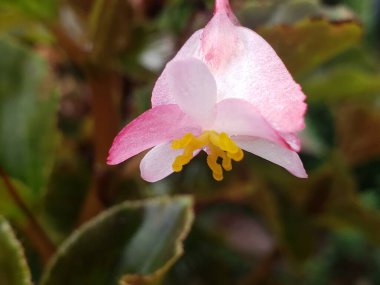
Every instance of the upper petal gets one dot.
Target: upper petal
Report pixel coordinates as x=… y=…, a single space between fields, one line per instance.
x=161 y=94
x=257 y=74
x=244 y=66
x=219 y=40
x=238 y=117
x=193 y=88
x=282 y=156
x=157 y=125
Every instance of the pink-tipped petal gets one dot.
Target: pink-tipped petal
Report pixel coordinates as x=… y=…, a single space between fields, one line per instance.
x=219 y=41
x=192 y=48
x=258 y=75
x=237 y=117
x=193 y=88
x=157 y=163
x=157 y=125
x=292 y=140
x=284 y=157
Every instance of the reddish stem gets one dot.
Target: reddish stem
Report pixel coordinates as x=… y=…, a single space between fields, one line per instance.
x=106 y=91
x=222 y=6
x=106 y=88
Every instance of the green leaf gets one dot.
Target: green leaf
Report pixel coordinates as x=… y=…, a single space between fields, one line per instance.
x=7 y=205
x=344 y=209
x=209 y=258
x=13 y=267
x=343 y=82
x=349 y=213
x=40 y=9
x=136 y=241
x=28 y=134
x=258 y=13
x=11 y=19
x=293 y=218
x=309 y=43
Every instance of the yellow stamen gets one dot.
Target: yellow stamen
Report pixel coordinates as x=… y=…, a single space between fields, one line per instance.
x=181 y=143
x=216 y=145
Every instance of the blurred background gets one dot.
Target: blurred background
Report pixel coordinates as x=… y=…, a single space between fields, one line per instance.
x=74 y=72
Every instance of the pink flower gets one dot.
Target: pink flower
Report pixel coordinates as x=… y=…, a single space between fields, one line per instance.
x=224 y=92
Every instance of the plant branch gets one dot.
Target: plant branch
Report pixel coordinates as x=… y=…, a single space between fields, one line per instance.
x=76 y=53
x=35 y=231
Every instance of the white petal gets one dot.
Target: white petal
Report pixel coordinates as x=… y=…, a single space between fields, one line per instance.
x=191 y=48
x=282 y=156
x=194 y=89
x=157 y=163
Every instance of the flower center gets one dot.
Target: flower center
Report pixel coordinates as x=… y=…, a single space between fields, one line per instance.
x=216 y=145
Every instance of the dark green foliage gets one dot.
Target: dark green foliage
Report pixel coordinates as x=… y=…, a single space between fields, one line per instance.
x=134 y=238
x=28 y=134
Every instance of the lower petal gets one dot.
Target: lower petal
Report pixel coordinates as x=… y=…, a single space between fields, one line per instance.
x=238 y=117
x=157 y=163
x=270 y=151
x=292 y=140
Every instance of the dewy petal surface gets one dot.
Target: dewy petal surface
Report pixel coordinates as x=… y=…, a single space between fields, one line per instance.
x=157 y=163
x=282 y=156
x=194 y=89
x=238 y=117
x=244 y=66
x=157 y=125
x=257 y=75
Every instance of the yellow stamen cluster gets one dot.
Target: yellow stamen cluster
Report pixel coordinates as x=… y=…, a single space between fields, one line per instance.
x=216 y=145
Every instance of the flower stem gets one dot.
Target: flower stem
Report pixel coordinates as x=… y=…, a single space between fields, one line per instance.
x=222 y=6
x=106 y=90
x=36 y=233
